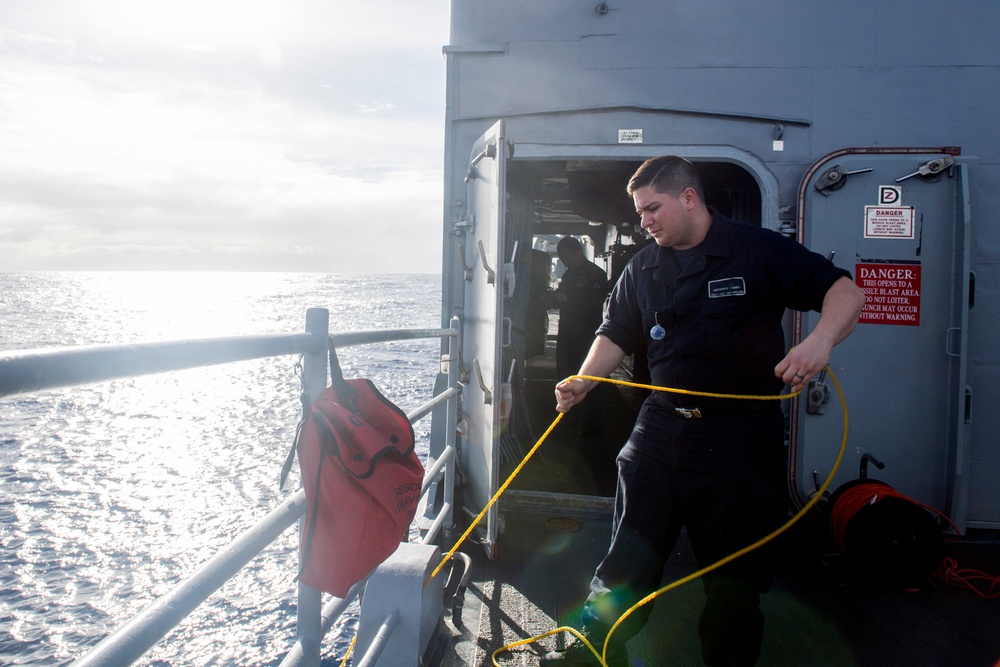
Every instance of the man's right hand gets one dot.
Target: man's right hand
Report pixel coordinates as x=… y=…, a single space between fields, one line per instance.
x=604 y=357
x=569 y=392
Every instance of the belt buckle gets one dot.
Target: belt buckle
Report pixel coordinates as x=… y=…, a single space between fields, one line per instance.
x=688 y=413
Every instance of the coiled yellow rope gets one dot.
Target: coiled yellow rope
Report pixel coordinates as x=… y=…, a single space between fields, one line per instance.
x=680 y=582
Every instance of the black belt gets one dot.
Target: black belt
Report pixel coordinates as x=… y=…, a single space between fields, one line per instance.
x=708 y=407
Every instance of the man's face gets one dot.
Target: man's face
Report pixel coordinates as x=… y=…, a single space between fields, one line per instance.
x=571 y=258
x=665 y=218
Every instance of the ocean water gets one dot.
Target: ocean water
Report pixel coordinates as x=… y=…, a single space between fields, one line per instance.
x=112 y=493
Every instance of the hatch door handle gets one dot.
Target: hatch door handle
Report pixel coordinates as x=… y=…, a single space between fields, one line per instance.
x=487 y=394
x=465 y=267
x=835 y=177
x=930 y=168
x=491 y=275
x=953 y=340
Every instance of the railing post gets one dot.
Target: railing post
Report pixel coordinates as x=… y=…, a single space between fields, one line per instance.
x=450 y=472
x=314 y=377
x=315 y=363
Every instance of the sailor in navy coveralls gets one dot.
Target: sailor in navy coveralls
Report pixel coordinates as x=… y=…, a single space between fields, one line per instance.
x=705 y=302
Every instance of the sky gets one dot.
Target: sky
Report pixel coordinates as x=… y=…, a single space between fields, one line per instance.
x=238 y=135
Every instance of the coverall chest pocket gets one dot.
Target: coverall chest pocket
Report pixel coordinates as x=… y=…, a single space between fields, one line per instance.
x=721 y=324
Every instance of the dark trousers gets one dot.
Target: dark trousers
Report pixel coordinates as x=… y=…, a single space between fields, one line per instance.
x=723 y=477
x=572 y=346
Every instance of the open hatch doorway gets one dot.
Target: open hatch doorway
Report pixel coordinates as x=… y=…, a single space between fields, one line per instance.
x=548 y=200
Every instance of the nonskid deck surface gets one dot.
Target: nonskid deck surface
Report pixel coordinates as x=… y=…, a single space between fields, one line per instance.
x=815 y=615
x=537 y=583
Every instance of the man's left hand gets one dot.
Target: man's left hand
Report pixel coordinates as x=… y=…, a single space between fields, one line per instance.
x=803 y=362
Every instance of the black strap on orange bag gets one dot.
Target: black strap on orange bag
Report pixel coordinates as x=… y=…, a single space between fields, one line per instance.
x=362 y=480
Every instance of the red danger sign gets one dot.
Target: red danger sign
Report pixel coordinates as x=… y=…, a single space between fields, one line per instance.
x=892 y=293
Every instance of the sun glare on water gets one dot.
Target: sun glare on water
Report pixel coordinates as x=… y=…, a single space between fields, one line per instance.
x=117 y=490
x=172 y=305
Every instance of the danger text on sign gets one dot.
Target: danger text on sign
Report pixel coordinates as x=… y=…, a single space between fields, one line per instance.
x=892 y=293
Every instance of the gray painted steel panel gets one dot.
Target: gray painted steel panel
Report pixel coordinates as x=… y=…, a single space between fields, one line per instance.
x=482 y=317
x=738 y=74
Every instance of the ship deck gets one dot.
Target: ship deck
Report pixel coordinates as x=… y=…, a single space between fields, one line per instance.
x=814 y=614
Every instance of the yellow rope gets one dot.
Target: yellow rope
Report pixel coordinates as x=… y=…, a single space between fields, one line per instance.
x=555 y=421
x=503 y=487
x=680 y=582
x=349 y=649
x=545 y=435
x=689 y=392
x=602 y=658
x=559 y=416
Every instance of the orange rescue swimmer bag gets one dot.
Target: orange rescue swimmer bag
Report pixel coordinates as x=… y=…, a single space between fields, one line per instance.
x=362 y=480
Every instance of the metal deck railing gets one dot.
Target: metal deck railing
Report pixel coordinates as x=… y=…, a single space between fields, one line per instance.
x=24 y=371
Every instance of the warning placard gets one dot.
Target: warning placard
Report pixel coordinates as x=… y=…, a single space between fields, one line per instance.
x=892 y=293
x=888 y=222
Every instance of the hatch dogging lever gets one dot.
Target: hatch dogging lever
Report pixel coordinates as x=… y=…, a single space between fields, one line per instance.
x=865 y=459
x=818 y=395
x=930 y=168
x=835 y=177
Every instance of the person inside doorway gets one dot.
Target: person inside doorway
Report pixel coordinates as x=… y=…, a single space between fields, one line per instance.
x=580 y=298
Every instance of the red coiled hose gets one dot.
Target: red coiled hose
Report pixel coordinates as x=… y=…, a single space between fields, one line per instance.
x=851 y=500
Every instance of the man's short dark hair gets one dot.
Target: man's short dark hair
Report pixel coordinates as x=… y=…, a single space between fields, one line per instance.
x=669 y=175
x=569 y=244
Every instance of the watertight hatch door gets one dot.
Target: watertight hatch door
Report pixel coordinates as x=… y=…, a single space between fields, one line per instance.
x=485 y=188
x=906 y=244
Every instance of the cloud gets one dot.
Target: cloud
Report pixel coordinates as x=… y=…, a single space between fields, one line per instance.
x=375 y=108
x=193 y=149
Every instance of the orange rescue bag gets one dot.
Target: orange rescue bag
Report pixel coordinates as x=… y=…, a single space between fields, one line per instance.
x=362 y=480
